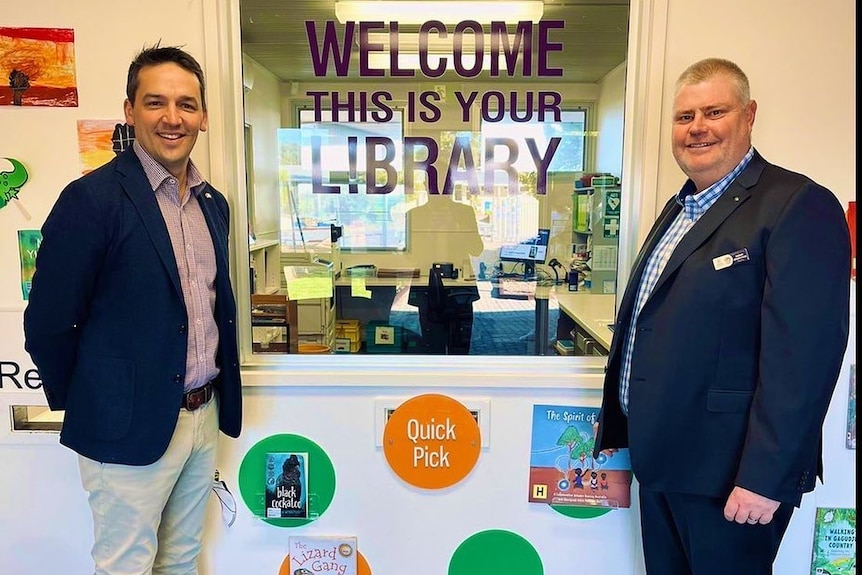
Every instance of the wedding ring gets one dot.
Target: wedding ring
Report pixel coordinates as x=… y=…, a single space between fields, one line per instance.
x=752 y=520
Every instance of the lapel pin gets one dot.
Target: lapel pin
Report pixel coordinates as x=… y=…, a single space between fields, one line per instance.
x=208 y=196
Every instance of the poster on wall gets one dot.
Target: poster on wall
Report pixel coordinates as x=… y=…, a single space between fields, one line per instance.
x=100 y=141
x=38 y=66
x=834 y=549
x=563 y=470
x=28 y=244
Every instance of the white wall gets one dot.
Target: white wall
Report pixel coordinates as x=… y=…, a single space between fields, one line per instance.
x=108 y=34
x=800 y=58
x=801 y=61
x=45 y=524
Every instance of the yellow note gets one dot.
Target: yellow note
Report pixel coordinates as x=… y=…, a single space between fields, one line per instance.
x=358 y=288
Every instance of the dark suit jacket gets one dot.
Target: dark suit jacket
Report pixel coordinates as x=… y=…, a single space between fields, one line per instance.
x=106 y=324
x=733 y=369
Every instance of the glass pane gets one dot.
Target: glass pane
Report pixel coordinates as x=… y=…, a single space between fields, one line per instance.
x=437 y=191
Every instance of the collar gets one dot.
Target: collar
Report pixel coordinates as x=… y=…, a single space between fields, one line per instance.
x=157 y=173
x=695 y=204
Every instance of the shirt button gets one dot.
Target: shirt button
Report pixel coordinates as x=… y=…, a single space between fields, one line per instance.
x=178 y=378
x=182 y=329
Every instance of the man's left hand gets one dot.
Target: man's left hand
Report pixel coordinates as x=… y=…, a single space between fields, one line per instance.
x=744 y=506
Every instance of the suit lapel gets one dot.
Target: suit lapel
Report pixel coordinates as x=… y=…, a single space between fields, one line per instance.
x=671 y=209
x=734 y=196
x=218 y=233
x=134 y=182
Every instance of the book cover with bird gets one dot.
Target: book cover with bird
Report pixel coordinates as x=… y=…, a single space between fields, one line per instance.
x=286 y=476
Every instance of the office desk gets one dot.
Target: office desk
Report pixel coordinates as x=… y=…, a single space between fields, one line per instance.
x=591 y=313
x=443 y=330
x=540 y=292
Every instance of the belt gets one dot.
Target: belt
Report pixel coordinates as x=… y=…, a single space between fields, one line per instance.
x=197 y=397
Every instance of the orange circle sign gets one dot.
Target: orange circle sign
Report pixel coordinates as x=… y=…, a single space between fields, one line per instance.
x=432 y=441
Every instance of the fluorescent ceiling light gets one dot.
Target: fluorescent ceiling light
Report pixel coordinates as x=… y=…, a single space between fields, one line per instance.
x=447 y=11
x=409 y=42
x=410 y=61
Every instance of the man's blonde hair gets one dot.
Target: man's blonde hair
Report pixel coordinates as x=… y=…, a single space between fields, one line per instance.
x=709 y=68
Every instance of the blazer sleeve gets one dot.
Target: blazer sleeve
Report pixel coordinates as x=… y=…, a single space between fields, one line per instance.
x=804 y=330
x=67 y=268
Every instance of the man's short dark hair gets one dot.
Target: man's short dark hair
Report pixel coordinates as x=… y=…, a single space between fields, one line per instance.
x=156 y=55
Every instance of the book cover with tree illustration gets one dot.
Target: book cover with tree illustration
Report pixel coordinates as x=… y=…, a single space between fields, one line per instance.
x=834 y=548
x=286 y=476
x=562 y=468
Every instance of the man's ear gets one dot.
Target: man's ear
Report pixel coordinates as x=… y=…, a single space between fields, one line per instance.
x=127 y=110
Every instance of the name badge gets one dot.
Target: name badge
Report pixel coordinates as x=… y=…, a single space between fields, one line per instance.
x=728 y=260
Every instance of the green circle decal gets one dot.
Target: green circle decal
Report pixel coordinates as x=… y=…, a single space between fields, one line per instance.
x=493 y=552
x=580 y=512
x=320 y=482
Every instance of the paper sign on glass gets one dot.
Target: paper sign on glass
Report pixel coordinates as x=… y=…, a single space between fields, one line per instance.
x=308 y=282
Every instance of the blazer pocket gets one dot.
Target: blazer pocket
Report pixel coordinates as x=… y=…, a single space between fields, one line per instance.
x=102 y=397
x=727 y=401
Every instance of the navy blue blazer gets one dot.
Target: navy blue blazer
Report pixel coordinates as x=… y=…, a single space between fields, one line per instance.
x=734 y=365
x=106 y=325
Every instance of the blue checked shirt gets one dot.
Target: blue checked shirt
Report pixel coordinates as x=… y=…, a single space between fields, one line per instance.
x=693 y=207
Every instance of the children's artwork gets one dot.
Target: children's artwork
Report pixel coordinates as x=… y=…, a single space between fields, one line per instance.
x=100 y=141
x=834 y=548
x=286 y=476
x=851 y=410
x=11 y=183
x=562 y=468
x=38 y=66
x=28 y=244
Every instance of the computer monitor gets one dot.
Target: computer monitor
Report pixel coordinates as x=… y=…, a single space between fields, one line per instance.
x=528 y=252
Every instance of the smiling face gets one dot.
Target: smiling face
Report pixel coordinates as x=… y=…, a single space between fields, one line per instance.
x=167 y=115
x=712 y=129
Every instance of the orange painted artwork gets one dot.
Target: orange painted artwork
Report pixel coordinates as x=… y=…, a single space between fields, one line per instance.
x=37 y=67
x=100 y=141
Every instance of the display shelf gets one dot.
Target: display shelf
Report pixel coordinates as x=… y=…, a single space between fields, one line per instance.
x=264 y=266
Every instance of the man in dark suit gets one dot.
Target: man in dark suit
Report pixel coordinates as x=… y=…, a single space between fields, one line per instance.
x=132 y=324
x=728 y=342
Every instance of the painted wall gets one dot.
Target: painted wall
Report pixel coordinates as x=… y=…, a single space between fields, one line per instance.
x=803 y=76
x=801 y=63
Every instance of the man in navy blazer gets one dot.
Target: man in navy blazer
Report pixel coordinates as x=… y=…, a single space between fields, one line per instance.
x=131 y=322
x=728 y=342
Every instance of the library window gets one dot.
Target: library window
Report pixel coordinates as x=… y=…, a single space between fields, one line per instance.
x=395 y=213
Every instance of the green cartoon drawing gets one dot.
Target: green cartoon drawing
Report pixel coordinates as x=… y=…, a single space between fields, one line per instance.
x=11 y=182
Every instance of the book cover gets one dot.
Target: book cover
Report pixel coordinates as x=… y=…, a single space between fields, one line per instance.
x=28 y=245
x=851 y=410
x=834 y=548
x=286 y=478
x=329 y=554
x=562 y=468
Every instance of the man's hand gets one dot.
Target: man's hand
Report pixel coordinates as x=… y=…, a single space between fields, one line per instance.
x=744 y=506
